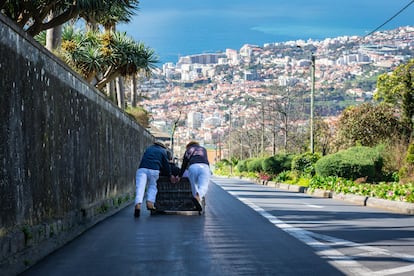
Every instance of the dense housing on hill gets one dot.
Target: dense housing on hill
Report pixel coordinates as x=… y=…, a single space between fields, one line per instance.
x=232 y=86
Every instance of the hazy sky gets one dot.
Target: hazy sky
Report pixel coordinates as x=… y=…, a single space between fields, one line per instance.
x=182 y=27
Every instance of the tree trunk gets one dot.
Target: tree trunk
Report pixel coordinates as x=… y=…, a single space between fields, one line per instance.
x=120 y=93
x=110 y=90
x=53 y=36
x=134 y=90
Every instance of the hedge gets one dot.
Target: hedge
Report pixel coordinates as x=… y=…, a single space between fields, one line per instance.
x=255 y=165
x=351 y=164
x=277 y=163
x=305 y=163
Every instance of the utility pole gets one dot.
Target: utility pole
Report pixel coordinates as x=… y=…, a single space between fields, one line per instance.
x=172 y=133
x=263 y=129
x=219 y=147
x=230 y=134
x=231 y=165
x=312 y=148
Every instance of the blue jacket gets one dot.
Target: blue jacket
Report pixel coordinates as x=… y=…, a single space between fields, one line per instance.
x=155 y=158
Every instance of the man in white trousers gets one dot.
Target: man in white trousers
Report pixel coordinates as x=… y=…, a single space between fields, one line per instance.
x=153 y=161
x=196 y=163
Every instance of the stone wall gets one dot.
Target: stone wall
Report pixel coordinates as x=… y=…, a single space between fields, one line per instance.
x=68 y=155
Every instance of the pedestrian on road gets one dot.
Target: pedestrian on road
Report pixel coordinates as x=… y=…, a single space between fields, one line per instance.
x=195 y=161
x=154 y=161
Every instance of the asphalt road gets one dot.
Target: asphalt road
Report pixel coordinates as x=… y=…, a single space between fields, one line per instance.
x=247 y=229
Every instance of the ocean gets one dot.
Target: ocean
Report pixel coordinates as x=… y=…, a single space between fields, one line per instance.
x=184 y=27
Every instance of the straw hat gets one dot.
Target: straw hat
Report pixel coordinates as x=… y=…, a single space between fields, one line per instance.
x=160 y=143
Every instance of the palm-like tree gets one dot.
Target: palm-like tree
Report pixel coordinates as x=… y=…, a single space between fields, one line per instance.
x=82 y=52
x=100 y=58
x=126 y=57
x=35 y=16
x=115 y=14
x=112 y=56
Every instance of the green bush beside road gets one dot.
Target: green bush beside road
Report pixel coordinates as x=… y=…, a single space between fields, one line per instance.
x=353 y=163
x=357 y=170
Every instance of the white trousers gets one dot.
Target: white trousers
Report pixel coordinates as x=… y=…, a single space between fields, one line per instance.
x=199 y=175
x=142 y=178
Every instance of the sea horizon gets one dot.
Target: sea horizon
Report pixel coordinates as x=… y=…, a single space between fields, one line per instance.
x=183 y=27
x=235 y=45
x=174 y=57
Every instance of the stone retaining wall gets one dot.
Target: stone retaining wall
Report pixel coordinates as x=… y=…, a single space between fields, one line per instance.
x=68 y=155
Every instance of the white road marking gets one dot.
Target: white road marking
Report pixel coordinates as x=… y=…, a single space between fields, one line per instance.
x=324 y=245
x=307 y=222
x=313 y=206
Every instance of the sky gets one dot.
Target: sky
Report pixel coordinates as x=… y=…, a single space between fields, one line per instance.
x=176 y=28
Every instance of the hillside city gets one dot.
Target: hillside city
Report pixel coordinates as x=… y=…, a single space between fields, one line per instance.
x=209 y=96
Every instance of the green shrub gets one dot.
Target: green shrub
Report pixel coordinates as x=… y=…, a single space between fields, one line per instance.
x=223 y=163
x=242 y=166
x=277 y=164
x=255 y=165
x=270 y=165
x=304 y=163
x=283 y=176
x=325 y=183
x=410 y=155
x=351 y=164
x=303 y=181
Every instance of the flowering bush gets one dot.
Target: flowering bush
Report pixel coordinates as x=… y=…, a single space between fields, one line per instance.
x=263 y=176
x=390 y=191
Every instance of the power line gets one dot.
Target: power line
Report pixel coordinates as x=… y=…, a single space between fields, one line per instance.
x=394 y=16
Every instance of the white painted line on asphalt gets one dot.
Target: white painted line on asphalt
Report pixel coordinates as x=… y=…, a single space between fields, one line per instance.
x=324 y=245
x=339 y=260
x=397 y=270
x=372 y=251
x=307 y=222
x=313 y=206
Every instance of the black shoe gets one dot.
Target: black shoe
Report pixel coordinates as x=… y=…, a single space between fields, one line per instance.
x=198 y=205
x=136 y=213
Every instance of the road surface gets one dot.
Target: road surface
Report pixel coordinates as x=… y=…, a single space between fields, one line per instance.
x=247 y=229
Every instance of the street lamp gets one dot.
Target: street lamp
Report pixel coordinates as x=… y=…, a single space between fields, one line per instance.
x=312 y=148
x=173 y=132
x=231 y=164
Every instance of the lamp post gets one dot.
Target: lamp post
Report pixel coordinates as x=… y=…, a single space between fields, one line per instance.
x=312 y=148
x=173 y=132
x=231 y=164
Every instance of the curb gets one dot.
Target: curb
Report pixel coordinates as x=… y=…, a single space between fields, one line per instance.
x=397 y=206
x=320 y=193
x=356 y=199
